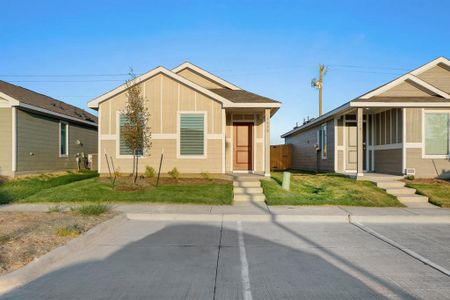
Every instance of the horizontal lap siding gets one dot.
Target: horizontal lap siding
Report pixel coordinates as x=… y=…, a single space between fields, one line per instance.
x=304 y=155
x=426 y=167
x=388 y=161
x=5 y=141
x=437 y=76
x=38 y=143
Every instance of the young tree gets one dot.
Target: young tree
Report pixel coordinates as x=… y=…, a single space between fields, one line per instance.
x=136 y=131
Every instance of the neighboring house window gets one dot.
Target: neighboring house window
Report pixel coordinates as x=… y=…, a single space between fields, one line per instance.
x=436 y=133
x=323 y=145
x=63 y=139
x=192 y=134
x=123 y=147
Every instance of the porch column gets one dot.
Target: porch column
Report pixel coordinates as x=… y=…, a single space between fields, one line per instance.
x=267 y=142
x=359 y=118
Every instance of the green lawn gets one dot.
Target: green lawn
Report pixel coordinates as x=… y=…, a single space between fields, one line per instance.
x=325 y=189
x=96 y=189
x=438 y=191
x=16 y=190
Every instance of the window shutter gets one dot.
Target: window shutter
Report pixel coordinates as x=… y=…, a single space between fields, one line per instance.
x=192 y=134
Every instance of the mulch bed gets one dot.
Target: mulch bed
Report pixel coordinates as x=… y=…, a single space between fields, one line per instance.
x=25 y=236
x=125 y=183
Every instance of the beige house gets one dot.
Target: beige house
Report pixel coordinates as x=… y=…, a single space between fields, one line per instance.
x=40 y=134
x=201 y=122
x=401 y=127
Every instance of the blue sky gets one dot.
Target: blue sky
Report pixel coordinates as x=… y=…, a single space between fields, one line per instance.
x=272 y=48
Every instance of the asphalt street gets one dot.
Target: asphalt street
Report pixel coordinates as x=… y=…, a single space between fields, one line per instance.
x=250 y=260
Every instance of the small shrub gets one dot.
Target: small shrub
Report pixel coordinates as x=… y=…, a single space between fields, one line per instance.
x=69 y=230
x=93 y=209
x=410 y=177
x=55 y=208
x=149 y=172
x=117 y=172
x=174 y=174
x=205 y=175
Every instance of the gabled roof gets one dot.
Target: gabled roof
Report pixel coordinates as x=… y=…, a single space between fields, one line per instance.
x=241 y=96
x=202 y=72
x=437 y=98
x=210 y=93
x=22 y=97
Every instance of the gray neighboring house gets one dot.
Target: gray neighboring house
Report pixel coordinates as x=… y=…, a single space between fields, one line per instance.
x=41 y=134
x=401 y=127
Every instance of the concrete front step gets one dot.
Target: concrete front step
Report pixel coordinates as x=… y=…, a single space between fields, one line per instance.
x=380 y=178
x=246 y=183
x=248 y=190
x=247 y=197
x=412 y=198
x=401 y=191
x=390 y=184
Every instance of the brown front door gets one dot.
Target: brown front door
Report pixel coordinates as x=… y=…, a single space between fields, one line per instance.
x=242 y=152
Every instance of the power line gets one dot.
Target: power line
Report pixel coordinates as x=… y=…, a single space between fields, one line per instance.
x=68 y=81
x=64 y=75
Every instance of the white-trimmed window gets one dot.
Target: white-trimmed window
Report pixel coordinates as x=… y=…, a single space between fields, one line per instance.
x=436 y=134
x=124 y=150
x=323 y=143
x=63 y=139
x=192 y=135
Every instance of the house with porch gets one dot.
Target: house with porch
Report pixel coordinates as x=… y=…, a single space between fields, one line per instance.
x=399 y=128
x=200 y=122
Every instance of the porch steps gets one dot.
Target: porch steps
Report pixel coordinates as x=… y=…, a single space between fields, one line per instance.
x=392 y=185
x=247 y=189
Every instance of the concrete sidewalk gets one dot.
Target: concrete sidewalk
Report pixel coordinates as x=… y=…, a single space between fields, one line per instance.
x=258 y=211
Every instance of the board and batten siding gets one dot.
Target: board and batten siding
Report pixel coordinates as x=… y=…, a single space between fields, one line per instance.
x=304 y=154
x=6 y=141
x=38 y=143
x=199 y=79
x=425 y=167
x=165 y=99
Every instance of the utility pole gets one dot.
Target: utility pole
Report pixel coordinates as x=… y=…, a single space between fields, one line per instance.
x=318 y=84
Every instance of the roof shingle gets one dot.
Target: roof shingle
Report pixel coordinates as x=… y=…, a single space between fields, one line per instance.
x=241 y=96
x=29 y=97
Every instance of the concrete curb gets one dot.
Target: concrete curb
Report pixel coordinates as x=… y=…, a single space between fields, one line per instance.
x=41 y=265
x=235 y=217
x=288 y=218
x=402 y=219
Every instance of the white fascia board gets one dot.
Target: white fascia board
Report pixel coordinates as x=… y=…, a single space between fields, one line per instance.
x=11 y=100
x=188 y=65
x=95 y=102
x=399 y=104
x=60 y=116
x=402 y=79
x=335 y=111
x=431 y=64
x=253 y=105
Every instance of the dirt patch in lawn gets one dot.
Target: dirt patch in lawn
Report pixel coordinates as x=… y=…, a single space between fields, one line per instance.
x=25 y=236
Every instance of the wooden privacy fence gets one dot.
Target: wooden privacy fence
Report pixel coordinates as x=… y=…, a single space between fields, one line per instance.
x=280 y=157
